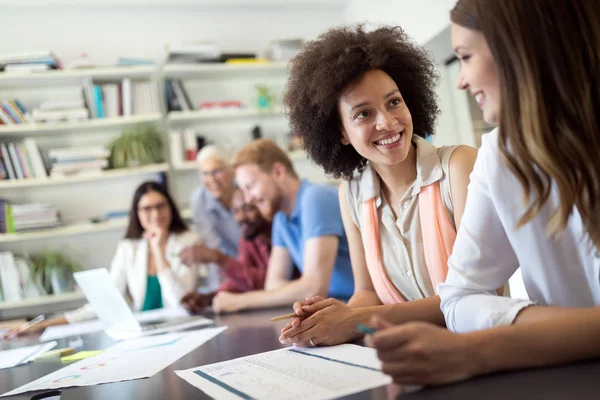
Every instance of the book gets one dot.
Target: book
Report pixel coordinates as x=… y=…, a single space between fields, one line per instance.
x=111 y=99
x=134 y=61
x=28 y=287
x=77 y=114
x=27 y=67
x=189 y=144
x=3 y=227
x=16 y=110
x=3 y=170
x=98 y=103
x=172 y=100
x=33 y=152
x=88 y=97
x=25 y=162
x=14 y=156
x=9 y=275
x=7 y=161
x=57 y=105
x=6 y=120
x=175 y=148
x=23 y=109
x=8 y=111
x=126 y=97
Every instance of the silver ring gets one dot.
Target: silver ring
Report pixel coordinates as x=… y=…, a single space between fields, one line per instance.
x=312 y=343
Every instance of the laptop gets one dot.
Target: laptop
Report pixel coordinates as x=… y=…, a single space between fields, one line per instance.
x=114 y=313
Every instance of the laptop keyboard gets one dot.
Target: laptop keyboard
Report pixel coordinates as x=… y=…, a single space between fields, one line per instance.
x=166 y=324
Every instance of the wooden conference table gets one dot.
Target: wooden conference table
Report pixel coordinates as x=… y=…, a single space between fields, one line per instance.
x=252 y=332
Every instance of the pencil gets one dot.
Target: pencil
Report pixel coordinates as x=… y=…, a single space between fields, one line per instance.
x=283 y=317
x=24 y=327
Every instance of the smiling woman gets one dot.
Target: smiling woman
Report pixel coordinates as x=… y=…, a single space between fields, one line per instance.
x=363 y=103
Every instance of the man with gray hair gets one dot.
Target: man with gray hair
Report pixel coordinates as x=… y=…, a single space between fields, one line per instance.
x=211 y=204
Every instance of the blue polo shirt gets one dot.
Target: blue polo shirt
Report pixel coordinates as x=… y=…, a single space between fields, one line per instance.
x=316 y=213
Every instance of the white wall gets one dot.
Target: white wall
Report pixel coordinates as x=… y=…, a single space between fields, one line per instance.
x=421 y=19
x=133 y=28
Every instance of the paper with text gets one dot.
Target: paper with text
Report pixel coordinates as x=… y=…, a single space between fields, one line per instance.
x=12 y=358
x=127 y=360
x=291 y=374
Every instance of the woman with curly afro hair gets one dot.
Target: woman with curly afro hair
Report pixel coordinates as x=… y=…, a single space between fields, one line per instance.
x=363 y=103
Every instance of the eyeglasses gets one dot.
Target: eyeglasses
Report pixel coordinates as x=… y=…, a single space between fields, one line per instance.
x=217 y=172
x=247 y=207
x=160 y=207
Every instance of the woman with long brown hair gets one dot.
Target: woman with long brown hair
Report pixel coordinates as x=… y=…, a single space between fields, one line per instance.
x=534 y=199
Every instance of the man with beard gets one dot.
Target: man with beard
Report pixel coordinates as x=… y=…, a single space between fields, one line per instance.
x=248 y=270
x=307 y=231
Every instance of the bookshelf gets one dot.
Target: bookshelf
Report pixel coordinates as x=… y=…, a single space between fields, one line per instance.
x=297 y=155
x=82 y=228
x=41 y=305
x=223 y=70
x=104 y=175
x=76 y=126
x=76 y=229
x=236 y=122
x=200 y=115
x=59 y=76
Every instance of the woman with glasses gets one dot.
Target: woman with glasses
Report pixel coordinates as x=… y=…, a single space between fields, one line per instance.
x=146 y=266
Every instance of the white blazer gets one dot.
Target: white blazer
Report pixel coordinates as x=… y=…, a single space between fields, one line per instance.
x=129 y=269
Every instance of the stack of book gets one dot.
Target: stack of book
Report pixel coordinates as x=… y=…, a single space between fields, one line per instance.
x=193 y=52
x=60 y=110
x=26 y=217
x=122 y=98
x=29 y=62
x=16 y=279
x=21 y=161
x=283 y=50
x=78 y=161
x=13 y=112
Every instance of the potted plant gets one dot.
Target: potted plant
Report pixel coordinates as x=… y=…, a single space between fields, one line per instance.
x=137 y=146
x=265 y=97
x=53 y=271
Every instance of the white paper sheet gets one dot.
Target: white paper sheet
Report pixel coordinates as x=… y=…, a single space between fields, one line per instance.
x=291 y=373
x=22 y=355
x=127 y=360
x=82 y=328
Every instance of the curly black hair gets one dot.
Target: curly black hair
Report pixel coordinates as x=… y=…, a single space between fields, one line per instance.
x=326 y=66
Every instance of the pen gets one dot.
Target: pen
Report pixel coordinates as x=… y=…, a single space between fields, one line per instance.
x=24 y=327
x=283 y=317
x=367 y=330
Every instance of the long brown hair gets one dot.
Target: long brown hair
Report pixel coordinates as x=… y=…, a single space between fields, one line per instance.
x=134 y=228
x=548 y=58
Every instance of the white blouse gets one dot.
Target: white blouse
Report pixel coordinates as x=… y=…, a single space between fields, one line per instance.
x=401 y=239
x=557 y=271
x=129 y=270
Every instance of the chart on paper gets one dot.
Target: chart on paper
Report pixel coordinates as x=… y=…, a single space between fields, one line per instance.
x=291 y=374
x=127 y=360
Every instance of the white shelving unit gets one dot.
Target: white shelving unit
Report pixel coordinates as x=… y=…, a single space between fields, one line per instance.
x=42 y=129
x=297 y=155
x=234 y=76
x=223 y=70
x=82 y=228
x=61 y=75
x=104 y=175
x=41 y=305
x=200 y=115
x=50 y=299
